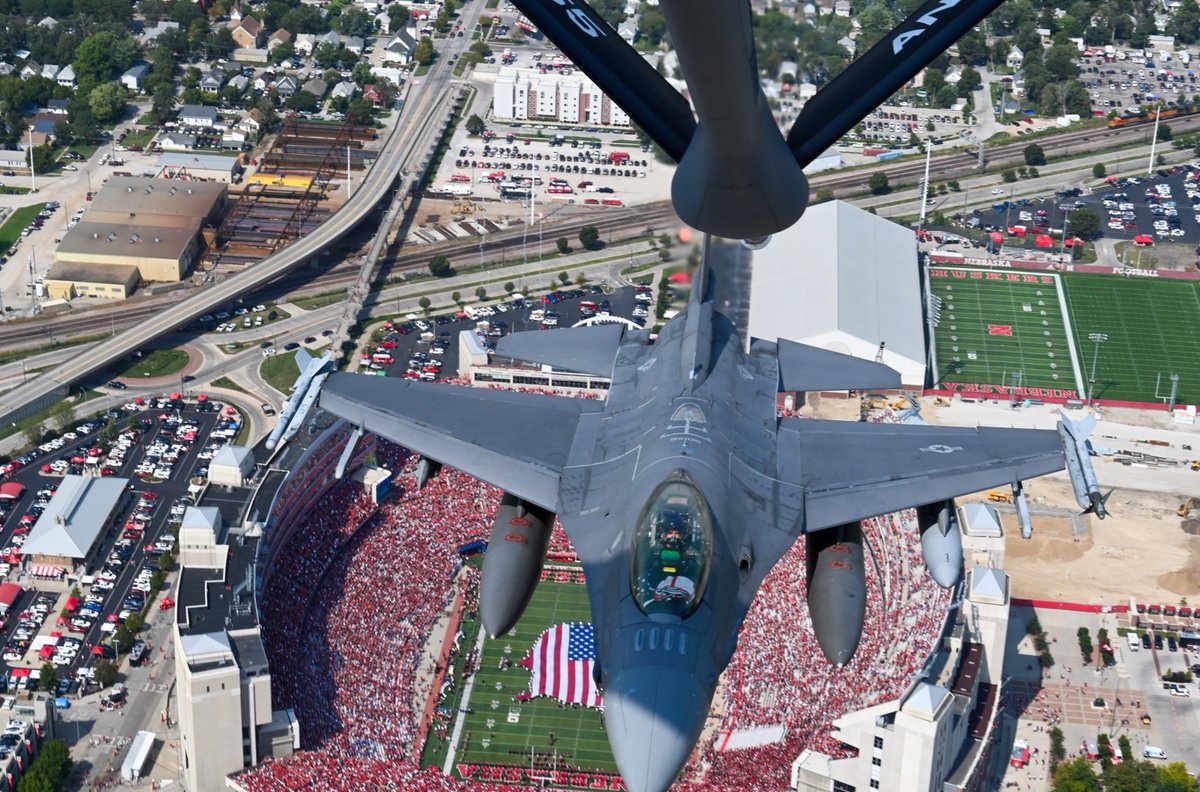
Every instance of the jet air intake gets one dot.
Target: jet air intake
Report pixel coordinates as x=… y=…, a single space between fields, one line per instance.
x=513 y=563
x=941 y=542
x=837 y=589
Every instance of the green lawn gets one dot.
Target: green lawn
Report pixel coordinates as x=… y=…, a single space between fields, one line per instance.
x=990 y=327
x=86 y=150
x=1152 y=331
x=10 y=232
x=280 y=371
x=502 y=731
x=155 y=363
x=139 y=137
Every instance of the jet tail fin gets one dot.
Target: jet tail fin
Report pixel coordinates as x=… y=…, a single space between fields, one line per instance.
x=808 y=368
x=586 y=350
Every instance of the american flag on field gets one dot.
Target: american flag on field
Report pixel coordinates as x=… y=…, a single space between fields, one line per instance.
x=561 y=661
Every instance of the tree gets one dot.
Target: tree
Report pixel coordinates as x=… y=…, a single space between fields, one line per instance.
x=106 y=672
x=1084 y=222
x=589 y=237
x=424 y=52
x=475 y=125
x=64 y=419
x=509 y=287
x=398 y=16
x=1175 y=778
x=135 y=622
x=1164 y=133
x=879 y=183
x=439 y=265
x=107 y=101
x=1034 y=155
x=456 y=297
x=1009 y=175
x=282 y=52
x=481 y=293
x=303 y=100
x=48 y=678
x=824 y=194
x=327 y=55
x=1099 y=171
x=425 y=304
x=564 y=245
x=564 y=277
x=1076 y=776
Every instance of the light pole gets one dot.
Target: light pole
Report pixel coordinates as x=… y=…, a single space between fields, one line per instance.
x=1097 y=339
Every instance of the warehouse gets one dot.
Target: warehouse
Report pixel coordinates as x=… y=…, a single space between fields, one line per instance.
x=152 y=225
x=845 y=280
x=202 y=167
x=75 y=521
x=69 y=280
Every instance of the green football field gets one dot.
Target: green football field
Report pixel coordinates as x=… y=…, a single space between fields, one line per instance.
x=1153 y=330
x=503 y=731
x=1000 y=326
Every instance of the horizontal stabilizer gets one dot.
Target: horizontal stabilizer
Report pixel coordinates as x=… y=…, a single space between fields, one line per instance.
x=808 y=368
x=584 y=350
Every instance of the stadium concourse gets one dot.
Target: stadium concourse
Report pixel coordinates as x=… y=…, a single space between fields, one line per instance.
x=355 y=594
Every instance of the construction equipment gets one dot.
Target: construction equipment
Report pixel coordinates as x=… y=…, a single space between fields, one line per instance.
x=1196 y=464
x=1185 y=508
x=998 y=496
x=463 y=205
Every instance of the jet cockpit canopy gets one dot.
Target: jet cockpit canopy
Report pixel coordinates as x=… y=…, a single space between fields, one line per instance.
x=672 y=549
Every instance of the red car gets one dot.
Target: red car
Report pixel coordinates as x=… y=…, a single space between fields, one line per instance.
x=388 y=344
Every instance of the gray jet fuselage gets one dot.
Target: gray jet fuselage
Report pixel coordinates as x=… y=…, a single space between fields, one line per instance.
x=660 y=669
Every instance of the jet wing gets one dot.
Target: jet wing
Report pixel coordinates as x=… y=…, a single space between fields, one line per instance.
x=515 y=441
x=850 y=471
x=808 y=368
x=586 y=350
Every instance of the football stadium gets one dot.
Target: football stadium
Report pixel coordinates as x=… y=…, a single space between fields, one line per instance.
x=1045 y=333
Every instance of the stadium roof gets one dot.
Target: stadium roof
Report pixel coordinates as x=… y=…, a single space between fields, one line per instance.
x=988 y=584
x=75 y=517
x=980 y=519
x=843 y=279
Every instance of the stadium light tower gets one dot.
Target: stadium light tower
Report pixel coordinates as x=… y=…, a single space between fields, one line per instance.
x=1097 y=339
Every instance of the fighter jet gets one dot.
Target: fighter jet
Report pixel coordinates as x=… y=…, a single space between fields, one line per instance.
x=683 y=488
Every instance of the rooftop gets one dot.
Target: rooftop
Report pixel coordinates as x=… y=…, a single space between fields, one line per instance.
x=130 y=241
x=186 y=159
x=124 y=198
x=213 y=600
x=75 y=516
x=88 y=272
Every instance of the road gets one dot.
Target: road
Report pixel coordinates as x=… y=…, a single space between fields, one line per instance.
x=423 y=98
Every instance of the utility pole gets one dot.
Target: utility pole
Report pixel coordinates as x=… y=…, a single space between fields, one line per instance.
x=1097 y=339
x=1154 y=140
x=32 y=175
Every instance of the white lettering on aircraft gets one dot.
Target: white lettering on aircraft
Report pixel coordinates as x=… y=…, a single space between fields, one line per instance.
x=583 y=21
x=928 y=20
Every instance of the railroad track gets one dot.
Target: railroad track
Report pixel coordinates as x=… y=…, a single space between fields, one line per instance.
x=964 y=163
x=89 y=321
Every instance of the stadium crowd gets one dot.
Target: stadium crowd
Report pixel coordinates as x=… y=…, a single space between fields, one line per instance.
x=358 y=590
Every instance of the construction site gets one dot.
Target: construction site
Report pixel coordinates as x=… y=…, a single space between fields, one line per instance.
x=294 y=186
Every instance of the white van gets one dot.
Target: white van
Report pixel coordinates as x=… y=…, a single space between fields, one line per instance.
x=1151 y=752
x=1133 y=641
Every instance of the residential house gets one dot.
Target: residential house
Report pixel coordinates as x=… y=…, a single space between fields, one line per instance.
x=176 y=141
x=162 y=27
x=6 y=69
x=198 y=116
x=250 y=123
x=133 y=76
x=953 y=75
x=344 y=90
x=263 y=80
x=372 y=94
x=48 y=22
x=58 y=107
x=233 y=138
x=1015 y=58
x=213 y=81
x=286 y=85
x=240 y=83
x=31 y=69
x=353 y=44
x=280 y=36
x=400 y=48
x=247 y=32
x=66 y=76
x=50 y=71
x=316 y=86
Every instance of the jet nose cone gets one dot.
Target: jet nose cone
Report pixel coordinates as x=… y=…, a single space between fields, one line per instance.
x=654 y=716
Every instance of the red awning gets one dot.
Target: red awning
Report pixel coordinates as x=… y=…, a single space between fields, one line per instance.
x=1044 y=241
x=11 y=490
x=19 y=672
x=46 y=651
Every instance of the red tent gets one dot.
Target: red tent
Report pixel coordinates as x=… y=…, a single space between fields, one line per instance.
x=19 y=672
x=71 y=604
x=202 y=397
x=1044 y=241
x=1143 y=239
x=46 y=651
x=138 y=400
x=680 y=277
x=997 y=237
x=177 y=395
x=231 y=410
x=46 y=468
x=97 y=650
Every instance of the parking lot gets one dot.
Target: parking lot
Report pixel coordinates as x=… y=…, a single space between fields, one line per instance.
x=428 y=348
x=1137 y=80
x=160 y=446
x=1162 y=208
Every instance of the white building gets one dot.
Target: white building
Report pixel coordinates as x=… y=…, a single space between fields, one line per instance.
x=232 y=466
x=527 y=94
x=845 y=280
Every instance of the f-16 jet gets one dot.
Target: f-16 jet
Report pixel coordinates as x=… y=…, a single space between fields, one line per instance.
x=683 y=487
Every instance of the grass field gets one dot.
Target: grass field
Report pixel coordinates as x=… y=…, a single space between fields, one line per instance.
x=1152 y=330
x=280 y=371
x=993 y=323
x=156 y=363
x=10 y=232
x=502 y=731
